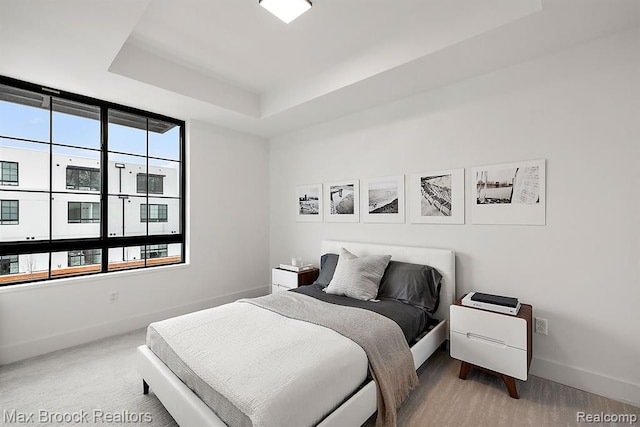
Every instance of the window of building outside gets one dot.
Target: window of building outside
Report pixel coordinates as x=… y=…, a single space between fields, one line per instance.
x=86 y=185
x=83 y=212
x=155 y=183
x=8 y=173
x=156 y=213
x=154 y=251
x=9 y=212
x=85 y=257
x=8 y=264
x=79 y=178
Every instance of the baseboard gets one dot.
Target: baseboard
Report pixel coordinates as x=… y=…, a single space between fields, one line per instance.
x=70 y=338
x=591 y=382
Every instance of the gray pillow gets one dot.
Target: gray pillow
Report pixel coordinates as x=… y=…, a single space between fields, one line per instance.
x=413 y=284
x=328 y=264
x=358 y=278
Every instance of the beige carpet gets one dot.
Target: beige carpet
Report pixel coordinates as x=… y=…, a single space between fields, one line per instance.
x=102 y=376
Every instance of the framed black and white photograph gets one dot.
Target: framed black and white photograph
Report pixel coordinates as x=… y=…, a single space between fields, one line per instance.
x=437 y=197
x=309 y=203
x=383 y=199
x=342 y=201
x=509 y=193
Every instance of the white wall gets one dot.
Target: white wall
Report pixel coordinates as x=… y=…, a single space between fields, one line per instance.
x=578 y=109
x=228 y=244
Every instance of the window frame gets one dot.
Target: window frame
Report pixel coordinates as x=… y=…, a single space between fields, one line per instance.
x=10 y=183
x=104 y=241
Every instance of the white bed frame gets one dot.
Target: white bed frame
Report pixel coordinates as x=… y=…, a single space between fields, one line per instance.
x=188 y=410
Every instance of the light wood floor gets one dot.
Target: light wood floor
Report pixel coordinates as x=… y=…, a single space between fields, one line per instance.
x=102 y=375
x=442 y=399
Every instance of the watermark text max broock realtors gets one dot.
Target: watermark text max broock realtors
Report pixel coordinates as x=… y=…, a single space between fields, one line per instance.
x=583 y=417
x=95 y=416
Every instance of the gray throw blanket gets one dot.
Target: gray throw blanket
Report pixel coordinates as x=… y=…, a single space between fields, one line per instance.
x=390 y=359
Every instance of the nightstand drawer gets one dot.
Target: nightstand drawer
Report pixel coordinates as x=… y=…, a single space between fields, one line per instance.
x=489 y=354
x=501 y=328
x=288 y=279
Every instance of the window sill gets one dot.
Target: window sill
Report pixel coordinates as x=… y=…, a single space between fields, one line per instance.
x=34 y=286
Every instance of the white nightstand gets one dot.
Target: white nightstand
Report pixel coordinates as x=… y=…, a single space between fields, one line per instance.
x=500 y=344
x=283 y=280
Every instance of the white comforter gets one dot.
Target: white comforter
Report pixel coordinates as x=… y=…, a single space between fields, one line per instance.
x=268 y=369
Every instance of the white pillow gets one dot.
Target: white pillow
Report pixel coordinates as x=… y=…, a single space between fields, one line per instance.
x=358 y=278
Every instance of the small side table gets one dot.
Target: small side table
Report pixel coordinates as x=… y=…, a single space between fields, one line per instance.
x=497 y=343
x=283 y=280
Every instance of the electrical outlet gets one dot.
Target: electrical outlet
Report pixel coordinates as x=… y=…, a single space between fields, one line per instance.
x=113 y=297
x=541 y=326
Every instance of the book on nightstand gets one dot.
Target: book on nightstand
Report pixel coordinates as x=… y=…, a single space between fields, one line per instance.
x=296 y=268
x=497 y=303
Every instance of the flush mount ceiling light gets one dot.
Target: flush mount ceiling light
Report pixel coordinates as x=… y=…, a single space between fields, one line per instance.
x=286 y=10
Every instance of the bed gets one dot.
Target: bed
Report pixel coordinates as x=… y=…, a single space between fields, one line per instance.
x=188 y=408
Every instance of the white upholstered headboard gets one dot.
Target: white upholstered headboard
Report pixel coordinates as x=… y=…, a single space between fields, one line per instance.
x=441 y=259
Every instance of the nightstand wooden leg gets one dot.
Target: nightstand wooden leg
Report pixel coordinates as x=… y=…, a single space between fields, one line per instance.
x=464 y=370
x=511 y=386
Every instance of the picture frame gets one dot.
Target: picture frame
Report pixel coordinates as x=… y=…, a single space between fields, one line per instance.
x=342 y=201
x=437 y=197
x=309 y=206
x=509 y=193
x=383 y=200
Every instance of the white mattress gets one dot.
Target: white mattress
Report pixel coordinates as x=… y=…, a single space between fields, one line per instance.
x=266 y=371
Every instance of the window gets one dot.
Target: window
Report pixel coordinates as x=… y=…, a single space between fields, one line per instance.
x=8 y=264
x=157 y=213
x=84 y=179
x=8 y=173
x=154 y=251
x=156 y=183
x=9 y=212
x=83 y=212
x=85 y=168
x=85 y=257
